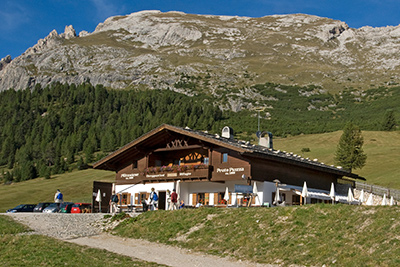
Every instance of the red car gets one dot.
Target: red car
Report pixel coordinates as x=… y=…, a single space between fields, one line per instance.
x=81 y=208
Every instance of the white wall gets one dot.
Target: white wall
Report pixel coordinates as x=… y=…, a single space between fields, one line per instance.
x=265 y=190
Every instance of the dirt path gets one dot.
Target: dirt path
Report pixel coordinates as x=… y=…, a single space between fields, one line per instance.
x=79 y=229
x=155 y=252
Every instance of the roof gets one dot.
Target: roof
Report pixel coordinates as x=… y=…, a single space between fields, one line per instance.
x=152 y=138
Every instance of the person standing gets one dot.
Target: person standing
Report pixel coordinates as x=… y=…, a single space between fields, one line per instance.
x=58 y=198
x=168 y=200
x=113 y=203
x=153 y=200
x=174 y=200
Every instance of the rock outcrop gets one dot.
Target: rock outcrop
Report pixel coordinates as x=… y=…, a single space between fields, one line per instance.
x=4 y=61
x=175 y=50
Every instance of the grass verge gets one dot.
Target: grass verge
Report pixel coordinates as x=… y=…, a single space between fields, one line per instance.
x=37 y=250
x=315 y=235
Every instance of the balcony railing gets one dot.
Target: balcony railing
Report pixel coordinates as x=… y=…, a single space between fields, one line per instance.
x=188 y=171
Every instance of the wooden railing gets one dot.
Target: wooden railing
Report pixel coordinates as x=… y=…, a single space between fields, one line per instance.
x=378 y=190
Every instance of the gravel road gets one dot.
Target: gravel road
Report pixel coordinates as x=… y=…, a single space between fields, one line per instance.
x=87 y=230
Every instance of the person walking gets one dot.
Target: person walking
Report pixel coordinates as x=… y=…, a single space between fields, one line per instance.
x=174 y=200
x=58 y=198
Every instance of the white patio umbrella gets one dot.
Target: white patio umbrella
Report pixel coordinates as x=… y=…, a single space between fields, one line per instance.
x=226 y=196
x=304 y=192
x=361 y=198
x=370 y=200
x=178 y=189
x=332 y=193
x=255 y=191
x=98 y=199
x=384 y=202
x=350 y=197
x=391 y=203
x=277 y=198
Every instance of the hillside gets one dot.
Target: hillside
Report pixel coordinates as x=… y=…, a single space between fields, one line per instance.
x=311 y=235
x=204 y=54
x=381 y=148
x=76 y=186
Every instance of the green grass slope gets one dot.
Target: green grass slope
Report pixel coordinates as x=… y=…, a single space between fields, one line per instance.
x=311 y=235
x=38 y=250
x=381 y=148
x=76 y=186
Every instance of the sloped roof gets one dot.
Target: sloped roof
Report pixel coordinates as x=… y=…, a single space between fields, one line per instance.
x=157 y=135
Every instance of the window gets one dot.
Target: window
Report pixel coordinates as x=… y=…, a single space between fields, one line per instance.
x=206 y=161
x=221 y=199
x=134 y=164
x=224 y=157
x=158 y=163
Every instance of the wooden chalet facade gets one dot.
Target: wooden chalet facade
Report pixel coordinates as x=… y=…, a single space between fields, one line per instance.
x=204 y=165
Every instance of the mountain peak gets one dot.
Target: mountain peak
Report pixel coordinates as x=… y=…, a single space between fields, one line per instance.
x=153 y=49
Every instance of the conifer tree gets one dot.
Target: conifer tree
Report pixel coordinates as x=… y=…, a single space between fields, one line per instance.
x=349 y=152
x=389 y=121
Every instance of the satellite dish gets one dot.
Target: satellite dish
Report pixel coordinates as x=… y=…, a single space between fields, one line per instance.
x=258 y=134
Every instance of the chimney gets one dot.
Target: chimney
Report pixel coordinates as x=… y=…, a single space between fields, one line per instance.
x=265 y=139
x=227 y=132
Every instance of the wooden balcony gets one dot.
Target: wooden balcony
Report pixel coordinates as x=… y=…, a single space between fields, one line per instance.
x=196 y=172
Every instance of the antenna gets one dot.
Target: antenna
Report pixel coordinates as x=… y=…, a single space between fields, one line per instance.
x=258 y=109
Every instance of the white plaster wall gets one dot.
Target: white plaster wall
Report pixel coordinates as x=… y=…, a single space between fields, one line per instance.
x=268 y=189
x=265 y=190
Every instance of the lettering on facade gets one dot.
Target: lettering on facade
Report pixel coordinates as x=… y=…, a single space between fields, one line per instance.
x=185 y=173
x=177 y=143
x=129 y=176
x=174 y=174
x=230 y=170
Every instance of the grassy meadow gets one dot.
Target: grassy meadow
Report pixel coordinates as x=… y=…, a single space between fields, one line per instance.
x=382 y=167
x=76 y=186
x=311 y=235
x=18 y=249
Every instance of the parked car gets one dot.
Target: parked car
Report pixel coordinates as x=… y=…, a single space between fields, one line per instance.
x=41 y=206
x=66 y=207
x=22 y=208
x=52 y=208
x=81 y=208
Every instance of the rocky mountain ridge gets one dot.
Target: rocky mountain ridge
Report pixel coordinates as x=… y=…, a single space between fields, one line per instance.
x=208 y=54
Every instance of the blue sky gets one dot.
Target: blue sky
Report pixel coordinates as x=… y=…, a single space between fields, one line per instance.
x=24 y=22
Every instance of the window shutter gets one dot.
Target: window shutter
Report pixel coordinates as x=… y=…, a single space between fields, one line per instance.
x=128 y=201
x=215 y=198
x=136 y=198
x=194 y=199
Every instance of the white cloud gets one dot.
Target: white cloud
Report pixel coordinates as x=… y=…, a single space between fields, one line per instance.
x=105 y=9
x=13 y=15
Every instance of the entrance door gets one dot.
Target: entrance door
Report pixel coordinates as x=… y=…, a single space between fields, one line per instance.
x=161 y=200
x=105 y=195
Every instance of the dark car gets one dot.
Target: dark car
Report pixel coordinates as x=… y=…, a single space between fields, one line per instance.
x=41 y=206
x=81 y=208
x=66 y=207
x=22 y=208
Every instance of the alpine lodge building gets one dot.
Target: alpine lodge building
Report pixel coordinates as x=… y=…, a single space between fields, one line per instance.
x=218 y=170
